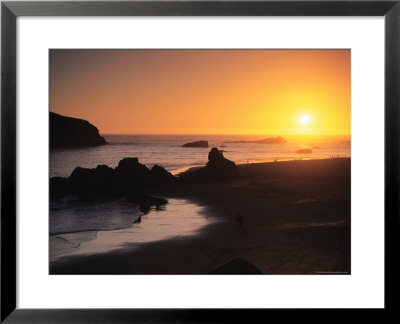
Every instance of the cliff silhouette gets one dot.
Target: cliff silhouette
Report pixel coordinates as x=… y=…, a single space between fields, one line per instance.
x=73 y=132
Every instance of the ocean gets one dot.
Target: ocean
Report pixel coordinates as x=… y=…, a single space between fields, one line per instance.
x=77 y=227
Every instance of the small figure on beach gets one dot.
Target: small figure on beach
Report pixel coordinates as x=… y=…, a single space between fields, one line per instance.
x=239 y=219
x=138 y=220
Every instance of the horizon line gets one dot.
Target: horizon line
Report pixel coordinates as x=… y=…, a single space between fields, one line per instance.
x=220 y=134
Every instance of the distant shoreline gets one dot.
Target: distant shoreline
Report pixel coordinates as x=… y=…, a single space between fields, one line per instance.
x=179 y=171
x=210 y=134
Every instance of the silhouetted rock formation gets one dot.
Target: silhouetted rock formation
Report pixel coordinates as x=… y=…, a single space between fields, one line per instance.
x=73 y=132
x=159 y=175
x=129 y=179
x=59 y=185
x=218 y=168
x=94 y=184
x=269 y=140
x=196 y=144
x=304 y=151
x=237 y=267
x=146 y=202
x=132 y=176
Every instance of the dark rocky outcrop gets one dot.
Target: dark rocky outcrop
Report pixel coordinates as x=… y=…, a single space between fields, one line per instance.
x=218 y=168
x=59 y=185
x=145 y=202
x=237 y=267
x=158 y=175
x=304 y=151
x=132 y=176
x=132 y=180
x=269 y=140
x=129 y=179
x=94 y=184
x=73 y=132
x=196 y=144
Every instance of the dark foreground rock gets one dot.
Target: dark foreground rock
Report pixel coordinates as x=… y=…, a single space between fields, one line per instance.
x=130 y=178
x=196 y=144
x=158 y=175
x=237 y=267
x=269 y=140
x=59 y=185
x=218 y=168
x=100 y=183
x=73 y=132
x=145 y=202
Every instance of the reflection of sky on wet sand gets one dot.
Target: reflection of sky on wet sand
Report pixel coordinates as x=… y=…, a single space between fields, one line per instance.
x=179 y=218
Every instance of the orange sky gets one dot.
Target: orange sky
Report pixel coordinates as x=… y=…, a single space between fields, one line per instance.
x=204 y=91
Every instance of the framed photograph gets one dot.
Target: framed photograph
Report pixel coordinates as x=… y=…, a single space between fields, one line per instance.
x=190 y=161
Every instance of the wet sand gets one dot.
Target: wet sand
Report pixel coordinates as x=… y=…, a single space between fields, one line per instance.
x=295 y=220
x=180 y=217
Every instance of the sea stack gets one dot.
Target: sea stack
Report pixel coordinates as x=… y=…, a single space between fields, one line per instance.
x=73 y=132
x=218 y=168
x=196 y=144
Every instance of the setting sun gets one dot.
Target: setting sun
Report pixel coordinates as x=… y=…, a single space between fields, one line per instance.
x=305 y=119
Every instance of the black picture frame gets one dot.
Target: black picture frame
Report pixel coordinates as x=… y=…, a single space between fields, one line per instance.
x=10 y=10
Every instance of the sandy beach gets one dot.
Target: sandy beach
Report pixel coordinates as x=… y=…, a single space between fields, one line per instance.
x=289 y=217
